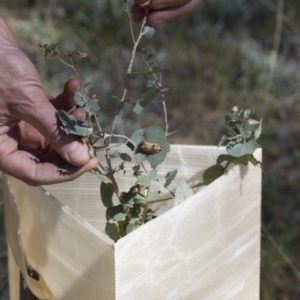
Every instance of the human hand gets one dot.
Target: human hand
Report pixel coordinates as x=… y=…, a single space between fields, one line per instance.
x=32 y=144
x=162 y=10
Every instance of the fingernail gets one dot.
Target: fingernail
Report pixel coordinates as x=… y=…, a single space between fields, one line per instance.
x=77 y=154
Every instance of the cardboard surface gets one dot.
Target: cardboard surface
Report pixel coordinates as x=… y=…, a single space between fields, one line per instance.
x=205 y=248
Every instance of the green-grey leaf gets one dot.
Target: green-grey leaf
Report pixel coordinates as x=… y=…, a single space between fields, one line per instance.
x=148 y=31
x=125 y=157
x=155 y=195
x=92 y=105
x=102 y=177
x=129 y=228
x=136 y=170
x=74 y=126
x=257 y=132
x=170 y=177
x=106 y=193
x=119 y=217
x=182 y=193
x=137 y=108
x=111 y=229
x=81 y=98
x=65 y=167
x=122 y=227
x=115 y=154
x=146 y=179
x=237 y=150
x=116 y=213
x=135 y=220
x=147 y=98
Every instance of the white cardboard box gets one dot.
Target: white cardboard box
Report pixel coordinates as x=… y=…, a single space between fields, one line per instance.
x=205 y=248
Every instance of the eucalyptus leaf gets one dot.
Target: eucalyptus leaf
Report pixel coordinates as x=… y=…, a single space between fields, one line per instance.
x=102 y=177
x=122 y=227
x=130 y=228
x=135 y=220
x=125 y=157
x=119 y=217
x=145 y=180
x=111 y=229
x=81 y=98
x=65 y=167
x=136 y=170
x=148 y=31
x=257 y=132
x=170 y=177
x=154 y=196
x=237 y=150
x=106 y=193
x=147 y=98
x=116 y=213
x=137 y=108
x=92 y=105
x=115 y=154
x=73 y=126
x=182 y=193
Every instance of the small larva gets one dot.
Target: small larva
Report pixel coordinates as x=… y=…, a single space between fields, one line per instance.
x=149 y=148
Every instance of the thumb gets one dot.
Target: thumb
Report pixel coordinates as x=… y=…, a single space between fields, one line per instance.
x=43 y=116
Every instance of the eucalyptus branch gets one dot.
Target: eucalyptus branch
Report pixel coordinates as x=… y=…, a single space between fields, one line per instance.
x=144 y=214
x=158 y=84
x=128 y=140
x=129 y=69
x=159 y=200
x=129 y=21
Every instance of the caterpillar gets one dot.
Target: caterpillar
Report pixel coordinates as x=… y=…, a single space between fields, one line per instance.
x=149 y=148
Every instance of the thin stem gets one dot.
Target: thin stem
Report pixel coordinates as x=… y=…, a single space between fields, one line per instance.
x=159 y=200
x=130 y=22
x=128 y=140
x=129 y=69
x=145 y=214
x=158 y=84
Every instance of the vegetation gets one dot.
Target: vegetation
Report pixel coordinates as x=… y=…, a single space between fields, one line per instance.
x=244 y=54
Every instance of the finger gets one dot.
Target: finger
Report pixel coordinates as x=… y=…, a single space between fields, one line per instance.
x=6 y=34
x=142 y=3
x=138 y=13
x=34 y=172
x=30 y=137
x=66 y=100
x=158 y=16
x=159 y=4
x=28 y=168
x=31 y=105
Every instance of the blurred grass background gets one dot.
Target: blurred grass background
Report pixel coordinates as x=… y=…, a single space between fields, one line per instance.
x=243 y=53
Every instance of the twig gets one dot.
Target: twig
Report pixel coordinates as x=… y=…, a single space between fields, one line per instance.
x=128 y=140
x=158 y=84
x=159 y=200
x=130 y=22
x=129 y=69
